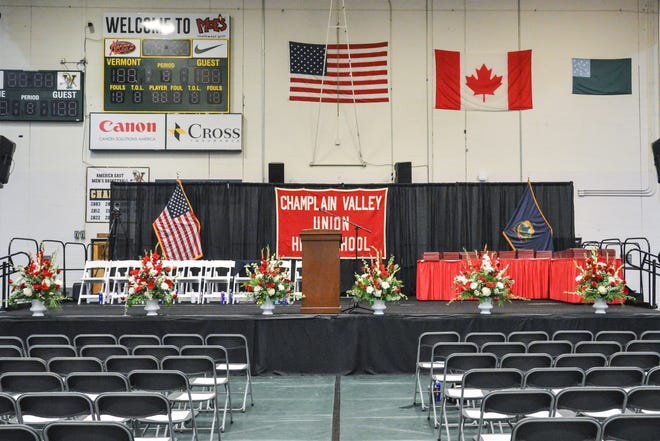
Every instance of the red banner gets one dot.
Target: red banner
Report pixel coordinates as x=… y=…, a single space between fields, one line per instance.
x=302 y=209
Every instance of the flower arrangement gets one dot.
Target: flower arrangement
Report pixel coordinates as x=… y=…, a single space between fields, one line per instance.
x=152 y=281
x=484 y=280
x=37 y=281
x=377 y=281
x=269 y=279
x=599 y=279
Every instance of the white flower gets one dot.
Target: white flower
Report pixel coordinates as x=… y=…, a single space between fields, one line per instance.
x=611 y=279
x=578 y=279
x=58 y=283
x=153 y=272
x=474 y=285
x=370 y=289
x=602 y=290
x=385 y=285
x=270 y=291
x=27 y=292
x=499 y=285
x=164 y=286
x=131 y=290
x=486 y=291
x=461 y=279
x=47 y=282
x=257 y=288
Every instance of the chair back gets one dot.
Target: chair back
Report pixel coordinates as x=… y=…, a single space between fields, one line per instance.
x=606 y=348
x=554 y=377
x=18 y=432
x=22 y=382
x=47 y=339
x=133 y=340
x=583 y=361
x=580 y=401
x=619 y=336
x=181 y=340
x=66 y=365
x=96 y=382
x=555 y=429
x=54 y=405
x=126 y=363
x=527 y=336
x=525 y=362
x=96 y=430
x=635 y=427
x=614 y=376
x=102 y=352
x=573 y=335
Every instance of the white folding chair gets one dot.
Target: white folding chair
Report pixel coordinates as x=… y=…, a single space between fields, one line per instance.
x=95 y=274
x=118 y=272
x=297 y=276
x=217 y=280
x=239 y=294
x=189 y=279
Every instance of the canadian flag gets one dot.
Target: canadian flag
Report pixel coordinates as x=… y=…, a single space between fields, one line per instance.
x=483 y=81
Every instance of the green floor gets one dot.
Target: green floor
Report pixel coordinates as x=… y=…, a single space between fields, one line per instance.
x=302 y=408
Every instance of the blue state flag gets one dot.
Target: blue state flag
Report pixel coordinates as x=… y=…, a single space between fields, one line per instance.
x=528 y=229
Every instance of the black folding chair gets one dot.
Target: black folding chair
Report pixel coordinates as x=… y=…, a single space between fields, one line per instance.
x=40 y=408
x=66 y=365
x=613 y=376
x=556 y=429
x=96 y=430
x=425 y=343
x=635 y=427
x=18 y=432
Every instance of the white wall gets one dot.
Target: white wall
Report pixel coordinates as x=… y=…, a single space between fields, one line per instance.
x=599 y=143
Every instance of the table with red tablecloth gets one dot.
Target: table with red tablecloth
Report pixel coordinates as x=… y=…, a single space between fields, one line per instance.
x=435 y=278
x=562 y=279
x=534 y=278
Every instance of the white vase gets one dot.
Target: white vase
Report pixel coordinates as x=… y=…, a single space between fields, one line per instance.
x=600 y=306
x=267 y=307
x=379 y=307
x=485 y=306
x=38 y=308
x=152 y=307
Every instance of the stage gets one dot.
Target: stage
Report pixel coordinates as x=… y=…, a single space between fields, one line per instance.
x=359 y=342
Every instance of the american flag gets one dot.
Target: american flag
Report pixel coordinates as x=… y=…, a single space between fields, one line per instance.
x=338 y=73
x=178 y=229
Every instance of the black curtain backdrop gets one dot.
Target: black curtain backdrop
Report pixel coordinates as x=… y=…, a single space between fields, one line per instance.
x=238 y=219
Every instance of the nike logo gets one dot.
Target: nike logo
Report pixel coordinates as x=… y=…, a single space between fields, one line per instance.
x=199 y=50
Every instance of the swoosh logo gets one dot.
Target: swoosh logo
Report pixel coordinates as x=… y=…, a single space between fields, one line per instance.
x=199 y=50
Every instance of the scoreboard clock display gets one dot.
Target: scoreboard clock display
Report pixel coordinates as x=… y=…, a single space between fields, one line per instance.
x=160 y=75
x=41 y=95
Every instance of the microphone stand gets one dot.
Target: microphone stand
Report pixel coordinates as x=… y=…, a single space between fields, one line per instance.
x=356 y=305
x=115 y=214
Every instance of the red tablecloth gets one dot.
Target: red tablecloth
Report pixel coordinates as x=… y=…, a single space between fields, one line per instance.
x=562 y=279
x=435 y=278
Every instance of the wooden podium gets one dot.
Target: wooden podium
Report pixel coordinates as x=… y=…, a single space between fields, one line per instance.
x=320 y=271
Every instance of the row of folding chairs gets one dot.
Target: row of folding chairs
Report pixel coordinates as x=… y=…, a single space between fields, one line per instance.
x=548 y=392
x=197 y=281
x=67 y=431
x=457 y=364
x=434 y=347
x=164 y=404
x=87 y=350
x=199 y=372
x=572 y=335
x=625 y=427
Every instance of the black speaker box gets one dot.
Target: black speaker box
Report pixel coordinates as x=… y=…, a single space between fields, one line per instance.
x=403 y=172
x=276 y=172
x=656 y=157
x=7 y=149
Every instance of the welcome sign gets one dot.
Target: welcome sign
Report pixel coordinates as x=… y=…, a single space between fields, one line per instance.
x=341 y=210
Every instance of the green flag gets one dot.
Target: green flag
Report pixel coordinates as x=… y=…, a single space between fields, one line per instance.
x=602 y=77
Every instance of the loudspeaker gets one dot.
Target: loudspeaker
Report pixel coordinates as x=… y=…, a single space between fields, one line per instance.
x=7 y=149
x=276 y=173
x=656 y=157
x=403 y=172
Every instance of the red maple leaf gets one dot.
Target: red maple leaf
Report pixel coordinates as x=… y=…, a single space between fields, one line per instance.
x=483 y=84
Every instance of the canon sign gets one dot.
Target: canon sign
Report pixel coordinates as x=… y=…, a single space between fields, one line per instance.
x=197 y=131
x=127 y=126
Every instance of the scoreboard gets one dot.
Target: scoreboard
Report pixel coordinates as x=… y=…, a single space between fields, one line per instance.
x=41 y=95
x=166 y=75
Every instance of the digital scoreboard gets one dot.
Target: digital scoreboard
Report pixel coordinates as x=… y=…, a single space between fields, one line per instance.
x=160 y=75
x=41 y=95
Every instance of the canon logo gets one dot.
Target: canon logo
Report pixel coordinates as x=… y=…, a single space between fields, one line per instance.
x=127 y=127
x=196 y=131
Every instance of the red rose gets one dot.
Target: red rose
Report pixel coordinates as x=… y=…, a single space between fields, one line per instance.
x=174 y=296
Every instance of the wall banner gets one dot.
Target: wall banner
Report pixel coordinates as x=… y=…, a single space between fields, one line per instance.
x=301 y=209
